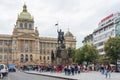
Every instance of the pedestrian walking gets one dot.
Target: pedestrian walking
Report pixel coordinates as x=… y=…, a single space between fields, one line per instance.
x=78 y=69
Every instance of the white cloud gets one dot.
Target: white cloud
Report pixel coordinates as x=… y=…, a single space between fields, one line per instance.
x=81 y=16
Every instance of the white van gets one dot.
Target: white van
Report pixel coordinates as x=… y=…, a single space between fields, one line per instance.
x=3 y=69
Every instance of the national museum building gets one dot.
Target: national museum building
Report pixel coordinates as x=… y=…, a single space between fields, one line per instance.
x=26 y=47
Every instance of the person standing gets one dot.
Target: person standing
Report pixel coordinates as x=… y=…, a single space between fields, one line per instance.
x=102 y=69
x=108 y=71
x=72 y=69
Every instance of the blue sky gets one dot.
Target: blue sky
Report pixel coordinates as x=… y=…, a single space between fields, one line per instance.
x=80 y=16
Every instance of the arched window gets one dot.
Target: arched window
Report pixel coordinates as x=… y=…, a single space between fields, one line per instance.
x=25 y=25
x=21 y=25
x=31 y=57
x=26 y=57
x=21 y=58
x=30 y=26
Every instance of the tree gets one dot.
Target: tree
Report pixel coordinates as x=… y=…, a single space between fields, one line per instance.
x=112 y=49
x=73 y=54
x=80 y=56
x=86 y=53
x=91 y=54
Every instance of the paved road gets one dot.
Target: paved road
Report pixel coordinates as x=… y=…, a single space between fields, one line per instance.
x=24 y=76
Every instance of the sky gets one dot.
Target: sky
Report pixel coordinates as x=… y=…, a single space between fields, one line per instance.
x=80 y=17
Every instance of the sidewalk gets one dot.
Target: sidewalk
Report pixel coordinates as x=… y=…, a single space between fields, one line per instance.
x=82 y=76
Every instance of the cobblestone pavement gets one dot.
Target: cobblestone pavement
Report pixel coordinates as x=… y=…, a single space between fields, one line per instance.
x=82 y=76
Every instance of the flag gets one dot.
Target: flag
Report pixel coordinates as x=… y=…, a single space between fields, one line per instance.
x=56 y=24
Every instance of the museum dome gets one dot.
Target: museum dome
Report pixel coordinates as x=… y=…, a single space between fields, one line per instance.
x=24 y=14
x=68 y=34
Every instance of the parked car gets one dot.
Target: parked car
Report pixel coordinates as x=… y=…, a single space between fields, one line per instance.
x=12 y=68
x=3 y=69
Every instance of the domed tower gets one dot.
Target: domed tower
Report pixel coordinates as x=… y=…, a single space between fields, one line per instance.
x=25 y=23
x=68 y=34
x=70 y=40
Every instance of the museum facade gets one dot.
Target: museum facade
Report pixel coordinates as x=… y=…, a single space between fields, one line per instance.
x=25 y=46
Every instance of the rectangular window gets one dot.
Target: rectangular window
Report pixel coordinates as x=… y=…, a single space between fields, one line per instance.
x=36 y=49
x=106 y=28
x=5 y=42
x=15 y=50
x=0 y=56
x=48 y=51
x=1 y=50
x=5 y=49
x=10 y=50
x=1 y=41
x=100 y=44
x=15 y=41
x=41 y=51
x=10 y=57
x=5 y=56
x=47 y=44
x=110 y=26
x=30 y=49
x=100 y=50
x=21 y=50
x=40 y=44
x=51 y=44
x=44 y=51
x=71 y=45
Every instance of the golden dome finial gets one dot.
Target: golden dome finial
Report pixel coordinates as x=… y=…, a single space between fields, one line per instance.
x=24 y=8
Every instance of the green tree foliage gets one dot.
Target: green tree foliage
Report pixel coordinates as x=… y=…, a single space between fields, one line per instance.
x=80 y=57
x=86 y=53
x=91 y=54
x=112 y=48
x=73 y=54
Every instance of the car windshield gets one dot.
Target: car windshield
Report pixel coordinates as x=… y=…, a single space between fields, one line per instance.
x=1 y=66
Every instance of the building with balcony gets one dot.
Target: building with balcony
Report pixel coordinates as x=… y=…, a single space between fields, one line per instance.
x=108 y=27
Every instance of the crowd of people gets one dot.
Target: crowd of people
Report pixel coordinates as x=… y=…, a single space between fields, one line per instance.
x=67 y=69
x=71 y=69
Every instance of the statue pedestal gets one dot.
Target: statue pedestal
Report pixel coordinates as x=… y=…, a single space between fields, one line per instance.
x=64 y=58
